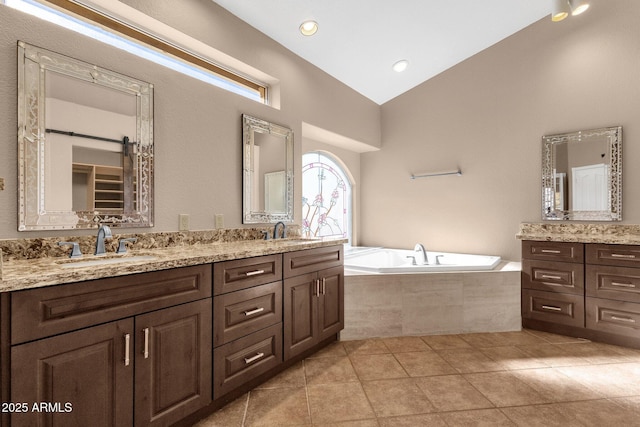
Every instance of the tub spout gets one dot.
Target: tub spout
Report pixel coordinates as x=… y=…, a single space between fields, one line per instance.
x=422 y=254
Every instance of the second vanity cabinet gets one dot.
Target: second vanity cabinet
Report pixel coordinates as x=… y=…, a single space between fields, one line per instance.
x=133 y=349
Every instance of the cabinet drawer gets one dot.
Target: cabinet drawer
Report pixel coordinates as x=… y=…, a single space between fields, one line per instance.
x=622 y=318
x=311 y=260
x=553 y=251
x=618 y=283
x=564 y=277
x=242 y=312
x=42 y=312
x=566 y=309
x=229 y=276
x=246 y=358
x=623 y=255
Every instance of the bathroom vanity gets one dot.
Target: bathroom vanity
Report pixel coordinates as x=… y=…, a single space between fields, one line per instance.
x=588 y=287
x=170 y=340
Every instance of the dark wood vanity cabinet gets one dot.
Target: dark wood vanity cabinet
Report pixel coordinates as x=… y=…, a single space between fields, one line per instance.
x=85 y=349
x=584 y=290
x=313 y=298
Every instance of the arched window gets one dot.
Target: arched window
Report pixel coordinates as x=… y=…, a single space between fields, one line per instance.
x=326 y=197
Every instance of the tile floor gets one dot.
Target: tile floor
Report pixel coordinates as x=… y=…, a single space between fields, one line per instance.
x=525 y=378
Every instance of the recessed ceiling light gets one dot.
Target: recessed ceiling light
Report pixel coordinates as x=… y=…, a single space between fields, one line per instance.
x=309 y=28
x=400 y=66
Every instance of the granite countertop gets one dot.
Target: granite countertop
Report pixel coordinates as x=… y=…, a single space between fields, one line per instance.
x=33 y=273
x=620 y=234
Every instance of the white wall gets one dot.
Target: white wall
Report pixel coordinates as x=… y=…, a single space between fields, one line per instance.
x=487 y=116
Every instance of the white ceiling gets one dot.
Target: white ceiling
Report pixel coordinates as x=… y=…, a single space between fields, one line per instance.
x=359 y=40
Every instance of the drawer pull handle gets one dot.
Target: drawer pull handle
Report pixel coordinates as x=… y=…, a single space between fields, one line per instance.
x=550 y=251
x=254 y=311
x=546 y=276
x=248 y=360
x=623 y=319
x=253 y=273
x=551 y=307
x=146 y=343
x=623 y=256
x=127 y=340
x=623 y=285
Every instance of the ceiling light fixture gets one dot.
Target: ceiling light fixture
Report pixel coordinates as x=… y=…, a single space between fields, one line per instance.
x=400 y=66
x=578 y=6
x=308 y=28
x=560 y=10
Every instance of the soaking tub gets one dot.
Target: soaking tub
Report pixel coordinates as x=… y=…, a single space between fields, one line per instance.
x=386 y=296
x=383 y=260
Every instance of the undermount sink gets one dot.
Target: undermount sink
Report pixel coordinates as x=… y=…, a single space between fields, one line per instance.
x=105 y=261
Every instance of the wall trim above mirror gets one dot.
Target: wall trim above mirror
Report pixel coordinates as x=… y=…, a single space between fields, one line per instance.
x=267 y=163
x=582 y=175
x=85 y=144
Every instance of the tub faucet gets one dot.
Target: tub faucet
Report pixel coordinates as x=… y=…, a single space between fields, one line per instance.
x=104 y=232
x=422 y=253
x=275 y=230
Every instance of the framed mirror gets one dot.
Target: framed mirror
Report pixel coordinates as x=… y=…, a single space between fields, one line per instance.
x=85 y=144
x=582 y=175
x=267 y=172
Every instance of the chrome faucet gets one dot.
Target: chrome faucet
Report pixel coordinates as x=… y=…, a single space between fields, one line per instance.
x=421 y=250
x=104 y=232
x=275 y=230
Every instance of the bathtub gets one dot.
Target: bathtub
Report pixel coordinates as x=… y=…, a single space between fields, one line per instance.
x=386 y=296
x=383 y=260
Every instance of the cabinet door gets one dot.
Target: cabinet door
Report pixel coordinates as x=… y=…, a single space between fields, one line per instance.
x=300 y=314
x=173 y=363
x=331 y=307
x=86 y=373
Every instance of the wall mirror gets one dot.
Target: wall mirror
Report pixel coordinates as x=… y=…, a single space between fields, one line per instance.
x=582 y=175
x=85 y=144
x=267 y=172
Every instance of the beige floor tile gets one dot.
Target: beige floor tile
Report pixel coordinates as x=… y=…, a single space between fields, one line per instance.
x=477 y=418
x=430 y=420
x=554 y=386
x=396 y=397
x=327 y=370
x=335 y=349
x=502 y=339
x=481 y=340
x=540 y=416
x=631 y=403
x=599 y=413
x=373 y=346
x=330 y=403
x=468 y=360
x=377 y=366
x=452 y=393
x=553 y=355
x=510 y=358
x=405 y=344
x=597 y=353
x=292 y=377
x=277 y=407
x=358 y=423
x=445 y=342
x=615 y=380
x=554 y=338
x=424 y=363
x=230 y=415
x=504 y=389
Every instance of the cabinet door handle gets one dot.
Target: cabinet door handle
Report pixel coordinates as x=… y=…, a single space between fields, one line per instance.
x=317 y=287
x=254 y=311
x=146 y=343
x=127 y=341
x=546 y=276
x=324 y=285
x=248 y=360
x=623 y=319
x=550 y=251
x=253 y=273
x=623 y=285
x=551 y=307
x=623 y=256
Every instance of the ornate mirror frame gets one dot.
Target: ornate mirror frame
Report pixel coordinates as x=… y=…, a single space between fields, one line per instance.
x=250 y=127
x=33 y=64
x=554 y=186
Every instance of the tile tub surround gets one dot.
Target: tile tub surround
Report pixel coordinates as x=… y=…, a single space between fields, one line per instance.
x=387 y=305
x=621 y=234
x=522 y=378
x=23 y=273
